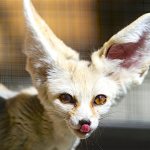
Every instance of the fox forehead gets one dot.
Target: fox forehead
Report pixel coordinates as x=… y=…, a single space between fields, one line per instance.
x=80 y=79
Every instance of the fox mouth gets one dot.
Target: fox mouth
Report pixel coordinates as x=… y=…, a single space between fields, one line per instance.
x=83 y=132
x=82 y=135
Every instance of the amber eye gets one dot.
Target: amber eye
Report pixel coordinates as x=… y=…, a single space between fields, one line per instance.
x=100 y=99
x=66 y=98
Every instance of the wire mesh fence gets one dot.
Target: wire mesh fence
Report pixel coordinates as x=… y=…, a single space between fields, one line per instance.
x=84 y=25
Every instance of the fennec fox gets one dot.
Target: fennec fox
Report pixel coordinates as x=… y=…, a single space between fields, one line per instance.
x=72 y=94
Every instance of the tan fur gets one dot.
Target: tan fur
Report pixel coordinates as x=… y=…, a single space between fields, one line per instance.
x=36 y=119
x=26 y=125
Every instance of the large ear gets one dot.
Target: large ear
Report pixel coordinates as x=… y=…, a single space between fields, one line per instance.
x=42 y=47
x=126 y=56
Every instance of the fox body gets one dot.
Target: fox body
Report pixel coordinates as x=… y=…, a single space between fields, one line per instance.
x=26 y=125
x=70 y=94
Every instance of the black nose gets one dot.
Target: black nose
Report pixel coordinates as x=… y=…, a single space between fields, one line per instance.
x=82 y=122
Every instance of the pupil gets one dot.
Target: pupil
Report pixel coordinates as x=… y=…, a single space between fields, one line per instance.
x=100 y=99
x=66 y=98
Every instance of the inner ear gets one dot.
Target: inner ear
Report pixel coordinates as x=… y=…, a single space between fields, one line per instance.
x=127 y=52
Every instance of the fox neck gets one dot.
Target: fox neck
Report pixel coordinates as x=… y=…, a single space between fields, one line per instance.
x=62 y=133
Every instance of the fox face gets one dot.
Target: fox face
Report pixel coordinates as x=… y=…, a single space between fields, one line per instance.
x=77 y=91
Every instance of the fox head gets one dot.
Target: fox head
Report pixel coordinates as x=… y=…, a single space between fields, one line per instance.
x=79 y=91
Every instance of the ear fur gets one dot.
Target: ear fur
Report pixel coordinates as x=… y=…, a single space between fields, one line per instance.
x=39 y=30
x=42 y=48
x=126 y=55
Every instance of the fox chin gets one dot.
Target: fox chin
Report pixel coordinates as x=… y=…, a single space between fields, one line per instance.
x=70 y=95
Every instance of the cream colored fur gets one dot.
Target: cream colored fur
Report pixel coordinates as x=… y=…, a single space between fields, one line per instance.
x=36 y=119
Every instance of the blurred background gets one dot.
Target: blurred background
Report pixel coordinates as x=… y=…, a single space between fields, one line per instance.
x=84 y=25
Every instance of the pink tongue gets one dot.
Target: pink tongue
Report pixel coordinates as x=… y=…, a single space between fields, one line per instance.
x=85 y=128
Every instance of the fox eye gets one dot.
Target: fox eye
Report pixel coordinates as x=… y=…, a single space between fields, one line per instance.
x=100 y=99
x=66 y=98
